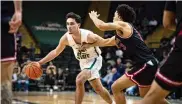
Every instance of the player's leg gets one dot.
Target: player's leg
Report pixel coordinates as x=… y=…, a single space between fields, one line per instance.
x=155 y=95
x=80 y=89
x=167 y=79
x=118 y=86
x=6 y=80
x=143 y=91
x=101 y=90
x=131 y=77
x=96 y=82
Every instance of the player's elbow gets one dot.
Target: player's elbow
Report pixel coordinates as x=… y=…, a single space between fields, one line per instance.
x=102 y=27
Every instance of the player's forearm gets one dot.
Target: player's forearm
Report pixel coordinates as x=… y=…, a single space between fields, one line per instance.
x=107 y=42
x=169 y=20
x=104 y=42
x=98 y=23
x=171 y=25
x=18 y=5
x=48 y=57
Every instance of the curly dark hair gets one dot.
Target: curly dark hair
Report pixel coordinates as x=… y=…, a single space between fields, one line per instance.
x=74 y=16
x=126 y=12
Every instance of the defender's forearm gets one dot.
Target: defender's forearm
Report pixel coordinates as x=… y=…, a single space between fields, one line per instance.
x=98 y=23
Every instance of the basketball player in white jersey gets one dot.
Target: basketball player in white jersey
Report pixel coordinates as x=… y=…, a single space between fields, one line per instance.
x=90 y=58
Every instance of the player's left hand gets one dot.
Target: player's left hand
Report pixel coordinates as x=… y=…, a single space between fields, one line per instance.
x=25 y=64
x=15 y=22
x=93 y=14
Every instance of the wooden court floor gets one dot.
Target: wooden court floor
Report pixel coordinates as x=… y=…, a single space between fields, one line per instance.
x=64 y=98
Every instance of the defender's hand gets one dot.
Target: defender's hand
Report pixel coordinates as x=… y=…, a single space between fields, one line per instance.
x=93 y=14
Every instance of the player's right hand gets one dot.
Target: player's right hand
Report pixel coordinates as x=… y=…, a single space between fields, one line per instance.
x=15 y=22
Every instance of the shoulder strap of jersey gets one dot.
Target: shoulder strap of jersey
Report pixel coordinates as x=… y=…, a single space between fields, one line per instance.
x=84 y=34
x=70 y=39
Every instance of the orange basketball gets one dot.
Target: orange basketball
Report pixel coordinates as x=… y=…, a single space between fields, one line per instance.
x=33 y=70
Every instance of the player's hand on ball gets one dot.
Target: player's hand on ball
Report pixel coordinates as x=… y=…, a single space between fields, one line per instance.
x=93 y=14
x=25 y=65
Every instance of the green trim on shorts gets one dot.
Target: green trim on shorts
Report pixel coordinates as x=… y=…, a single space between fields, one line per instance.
x=92 y=64
x=96 y=51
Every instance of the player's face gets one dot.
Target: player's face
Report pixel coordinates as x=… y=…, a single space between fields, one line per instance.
x=72 y=25
x=116 y=17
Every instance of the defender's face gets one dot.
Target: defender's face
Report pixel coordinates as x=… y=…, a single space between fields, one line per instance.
x=72 y=25
x=116 y=17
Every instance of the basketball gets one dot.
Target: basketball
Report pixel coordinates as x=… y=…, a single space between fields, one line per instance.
x=33 y=70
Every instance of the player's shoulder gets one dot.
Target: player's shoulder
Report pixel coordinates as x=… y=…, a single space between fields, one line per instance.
x=64 y=37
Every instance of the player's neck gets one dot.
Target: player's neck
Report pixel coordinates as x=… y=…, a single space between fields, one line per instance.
x=77 y=34
x=77 y=37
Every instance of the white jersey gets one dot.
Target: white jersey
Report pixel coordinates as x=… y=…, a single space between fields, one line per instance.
x=89 y=53
x=89 y=58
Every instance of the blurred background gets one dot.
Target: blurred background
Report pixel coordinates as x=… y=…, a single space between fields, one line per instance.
x=44 y=24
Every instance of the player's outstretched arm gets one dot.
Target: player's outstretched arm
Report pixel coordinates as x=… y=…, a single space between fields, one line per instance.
x=106 y=26
x=96 y=40
x=54 y=53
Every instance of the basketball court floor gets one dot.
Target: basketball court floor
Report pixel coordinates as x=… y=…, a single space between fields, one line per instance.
x=66 y=97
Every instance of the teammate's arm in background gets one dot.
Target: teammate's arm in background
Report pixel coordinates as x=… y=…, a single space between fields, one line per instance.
x=16 y=20
x=54 y=53
x=169 y=15
x=96 y=40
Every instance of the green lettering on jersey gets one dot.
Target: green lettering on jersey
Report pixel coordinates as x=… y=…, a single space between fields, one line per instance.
x=82 y=54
